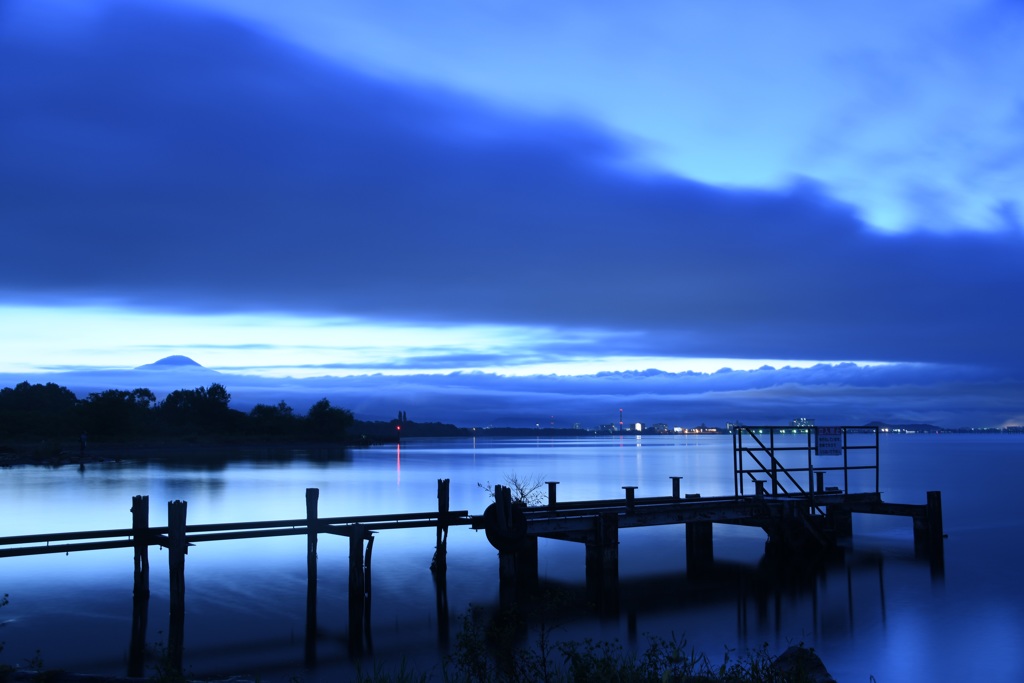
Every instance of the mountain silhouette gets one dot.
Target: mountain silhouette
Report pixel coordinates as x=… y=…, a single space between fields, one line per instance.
x=174 y=363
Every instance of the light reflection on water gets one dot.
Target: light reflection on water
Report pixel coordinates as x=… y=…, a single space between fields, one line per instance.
x=881 y=612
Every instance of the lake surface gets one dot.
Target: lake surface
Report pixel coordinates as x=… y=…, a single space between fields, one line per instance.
x=881 y=612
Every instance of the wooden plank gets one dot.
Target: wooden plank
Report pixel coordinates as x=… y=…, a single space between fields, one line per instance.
x=65 y=548
x=883 y=508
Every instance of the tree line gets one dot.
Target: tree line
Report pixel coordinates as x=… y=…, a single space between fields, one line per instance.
x=51 y=411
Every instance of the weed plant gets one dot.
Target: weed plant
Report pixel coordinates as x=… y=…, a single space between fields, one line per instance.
x=488 y=654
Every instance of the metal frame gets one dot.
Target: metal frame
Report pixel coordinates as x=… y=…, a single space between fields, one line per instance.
x=758 y=443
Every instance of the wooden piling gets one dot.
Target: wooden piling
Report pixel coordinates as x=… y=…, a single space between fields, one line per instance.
x=440 y=563
x=699 y=547
x=368 y=591
x=935 y=532
x=312 y=529
x=700 y=553
x=630 y=496
x=312 y=526
x=506 y=580
x=503 y=507
x=140 y=534
x=552 y=494
x=602 y=563
x=602 y=554
x=928 y=532
x=839 y=520
x=356 y=588
x=675 y=487
x=177 y=548
x=439 y=566
x=527 y=574
x=140 y=591
x=936 y=536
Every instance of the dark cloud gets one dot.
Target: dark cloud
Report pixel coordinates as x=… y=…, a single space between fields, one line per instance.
x=173 y=161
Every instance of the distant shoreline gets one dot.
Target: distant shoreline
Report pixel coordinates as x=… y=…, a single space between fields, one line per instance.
x=64 y=452
x=52 y=453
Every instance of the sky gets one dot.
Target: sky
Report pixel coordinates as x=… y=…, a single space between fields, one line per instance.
x=519 y=213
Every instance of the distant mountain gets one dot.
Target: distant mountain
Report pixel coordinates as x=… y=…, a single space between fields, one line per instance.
x=915 y=427
x=174 y=363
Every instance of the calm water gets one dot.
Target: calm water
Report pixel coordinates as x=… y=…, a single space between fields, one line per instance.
x=880 y=613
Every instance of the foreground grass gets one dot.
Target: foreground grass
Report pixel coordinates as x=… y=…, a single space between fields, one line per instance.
x=486 y=655
x=493 y=652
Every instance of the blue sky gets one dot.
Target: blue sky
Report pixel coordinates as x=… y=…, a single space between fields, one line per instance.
x=516 y=213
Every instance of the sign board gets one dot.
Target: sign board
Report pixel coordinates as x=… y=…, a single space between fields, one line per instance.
x=829 y=440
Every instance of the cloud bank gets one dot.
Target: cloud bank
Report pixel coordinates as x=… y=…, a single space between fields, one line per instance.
x=171 y=161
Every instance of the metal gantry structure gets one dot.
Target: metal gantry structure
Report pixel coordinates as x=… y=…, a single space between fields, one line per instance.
x=785 y=455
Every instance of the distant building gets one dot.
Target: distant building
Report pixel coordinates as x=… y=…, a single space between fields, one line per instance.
x=804 y=422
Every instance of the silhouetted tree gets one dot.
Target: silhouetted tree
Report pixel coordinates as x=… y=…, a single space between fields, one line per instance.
x=118 y=412
x=38 y=410
x=279 y=420
x=203 y=409
x=326 y=422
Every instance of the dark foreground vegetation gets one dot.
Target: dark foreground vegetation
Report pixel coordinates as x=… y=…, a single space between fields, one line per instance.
x=486 y=653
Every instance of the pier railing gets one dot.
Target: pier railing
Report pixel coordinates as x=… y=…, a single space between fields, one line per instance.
x=104 y=539
x=796 y=460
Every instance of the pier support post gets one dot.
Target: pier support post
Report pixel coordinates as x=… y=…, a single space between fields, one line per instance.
x=368 y=591
x=552 y=495
x=527 y=574
x=140 y=535
x=840 y=520
x=440 y=563
x=675 y=487
x=699 y=547
x=928 y=532
x=140 y=591
x=603 y=561
x=699 y=544
x=312 y=527
x=935 y=533
x=506 y=579
x=936 y=536
x=177 y=548
x=356 y=588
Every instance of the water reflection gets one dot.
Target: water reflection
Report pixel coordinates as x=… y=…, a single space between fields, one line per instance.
x=835 y=594
x=252 y=608
x=840 y=592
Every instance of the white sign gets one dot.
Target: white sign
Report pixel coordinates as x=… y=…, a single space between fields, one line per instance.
x=829 y=440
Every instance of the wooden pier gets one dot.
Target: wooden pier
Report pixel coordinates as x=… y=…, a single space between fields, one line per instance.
x=779 y=486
